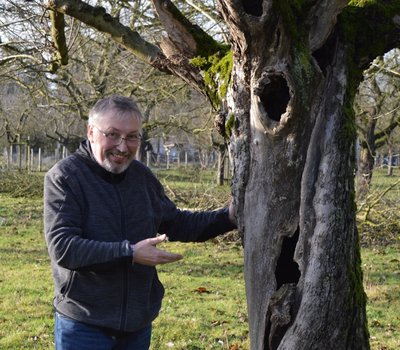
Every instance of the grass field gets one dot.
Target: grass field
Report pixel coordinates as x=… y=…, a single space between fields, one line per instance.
x=204 y=305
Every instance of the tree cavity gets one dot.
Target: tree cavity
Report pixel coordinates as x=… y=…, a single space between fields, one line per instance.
x=253 y=7
x=287 y=270
x=323 y=55
x=280 y=312
x=275 y=96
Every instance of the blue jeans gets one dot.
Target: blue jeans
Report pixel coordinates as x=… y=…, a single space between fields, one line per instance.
x=73 y=335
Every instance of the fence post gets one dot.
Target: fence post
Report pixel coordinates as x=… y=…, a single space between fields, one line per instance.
x=10 y=158
x=27 y=156
x=148 y=155
x=186 y=160
x=19 y=152
x=40 y=159
x=168 y=152
x=31 y=163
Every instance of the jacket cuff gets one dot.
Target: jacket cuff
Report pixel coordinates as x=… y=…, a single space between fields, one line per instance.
x=229 y=224
x=126 y=249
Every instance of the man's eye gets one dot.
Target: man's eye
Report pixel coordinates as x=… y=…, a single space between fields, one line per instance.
x=113 y=136
x=133 y=137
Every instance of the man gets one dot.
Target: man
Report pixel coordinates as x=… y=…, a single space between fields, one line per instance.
x=102 y=213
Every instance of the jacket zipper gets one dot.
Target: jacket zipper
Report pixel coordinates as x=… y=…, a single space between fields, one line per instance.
x=125 y=284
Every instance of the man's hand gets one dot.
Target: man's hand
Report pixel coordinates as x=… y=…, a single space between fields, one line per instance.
x=146 y=252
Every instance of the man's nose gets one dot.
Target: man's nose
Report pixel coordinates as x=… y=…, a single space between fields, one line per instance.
x=123 y=146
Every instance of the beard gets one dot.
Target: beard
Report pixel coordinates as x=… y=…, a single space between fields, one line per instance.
x=115 y=167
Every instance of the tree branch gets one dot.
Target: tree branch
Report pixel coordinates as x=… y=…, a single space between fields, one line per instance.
x=15 y=57
x=188 y=39
x=98 y=18
x=387 y=70
x=58 y=35
x=183 y=37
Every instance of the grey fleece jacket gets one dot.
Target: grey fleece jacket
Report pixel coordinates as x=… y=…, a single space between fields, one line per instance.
x=90 y=219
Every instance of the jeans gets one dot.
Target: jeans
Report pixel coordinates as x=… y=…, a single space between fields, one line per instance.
x=73 y=335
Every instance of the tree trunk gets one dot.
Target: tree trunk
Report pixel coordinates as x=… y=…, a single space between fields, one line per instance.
x=365 y=168
x=294 y=164
x=368 y=147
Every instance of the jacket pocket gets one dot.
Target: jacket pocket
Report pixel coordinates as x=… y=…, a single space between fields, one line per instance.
x=69 y=283
x=64 y=288
x=99 y=289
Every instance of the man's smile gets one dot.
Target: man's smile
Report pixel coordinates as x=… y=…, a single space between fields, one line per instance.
x=119 y=156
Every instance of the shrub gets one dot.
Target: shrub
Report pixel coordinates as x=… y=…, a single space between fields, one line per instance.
x=21 y=184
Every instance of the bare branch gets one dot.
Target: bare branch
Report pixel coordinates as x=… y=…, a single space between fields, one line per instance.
x=387 y=70
x=58 y=35
x=15 y=57
x=98 y=18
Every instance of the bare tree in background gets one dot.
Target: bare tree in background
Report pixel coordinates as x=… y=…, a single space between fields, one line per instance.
x=377 y=106
x=60 y=96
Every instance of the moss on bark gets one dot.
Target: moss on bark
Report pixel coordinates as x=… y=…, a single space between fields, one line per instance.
x=217 y=70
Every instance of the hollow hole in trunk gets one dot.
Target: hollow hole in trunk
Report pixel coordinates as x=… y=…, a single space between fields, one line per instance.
x=253 y=8
x=324 y=55
x=287 y=270
x=275 y=97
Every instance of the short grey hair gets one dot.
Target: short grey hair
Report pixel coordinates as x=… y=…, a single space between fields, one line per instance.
x=122 y=106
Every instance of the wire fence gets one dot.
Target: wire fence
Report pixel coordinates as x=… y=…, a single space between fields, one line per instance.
x=22 y=157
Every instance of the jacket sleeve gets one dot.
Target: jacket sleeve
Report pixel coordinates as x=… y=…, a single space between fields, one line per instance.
x=189 y=226
x=63 y=219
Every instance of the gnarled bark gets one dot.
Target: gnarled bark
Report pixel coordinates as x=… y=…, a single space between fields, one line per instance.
x=294 y=166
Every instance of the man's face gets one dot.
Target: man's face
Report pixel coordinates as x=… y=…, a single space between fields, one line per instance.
x=112 y=153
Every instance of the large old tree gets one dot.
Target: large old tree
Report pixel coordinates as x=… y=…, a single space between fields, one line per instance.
x=283 y=90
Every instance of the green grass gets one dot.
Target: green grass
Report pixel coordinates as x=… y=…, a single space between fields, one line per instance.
x=204 y=305
x=381 y=266
x=26 y=320
x=381 y=260
x=381 y=181
x=184 y=177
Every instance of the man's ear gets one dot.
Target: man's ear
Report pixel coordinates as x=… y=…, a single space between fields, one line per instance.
x=90 y=133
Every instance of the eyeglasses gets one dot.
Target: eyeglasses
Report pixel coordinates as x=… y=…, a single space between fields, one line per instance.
x=116 y=139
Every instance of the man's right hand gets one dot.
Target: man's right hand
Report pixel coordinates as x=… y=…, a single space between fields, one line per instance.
x=146 y=252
